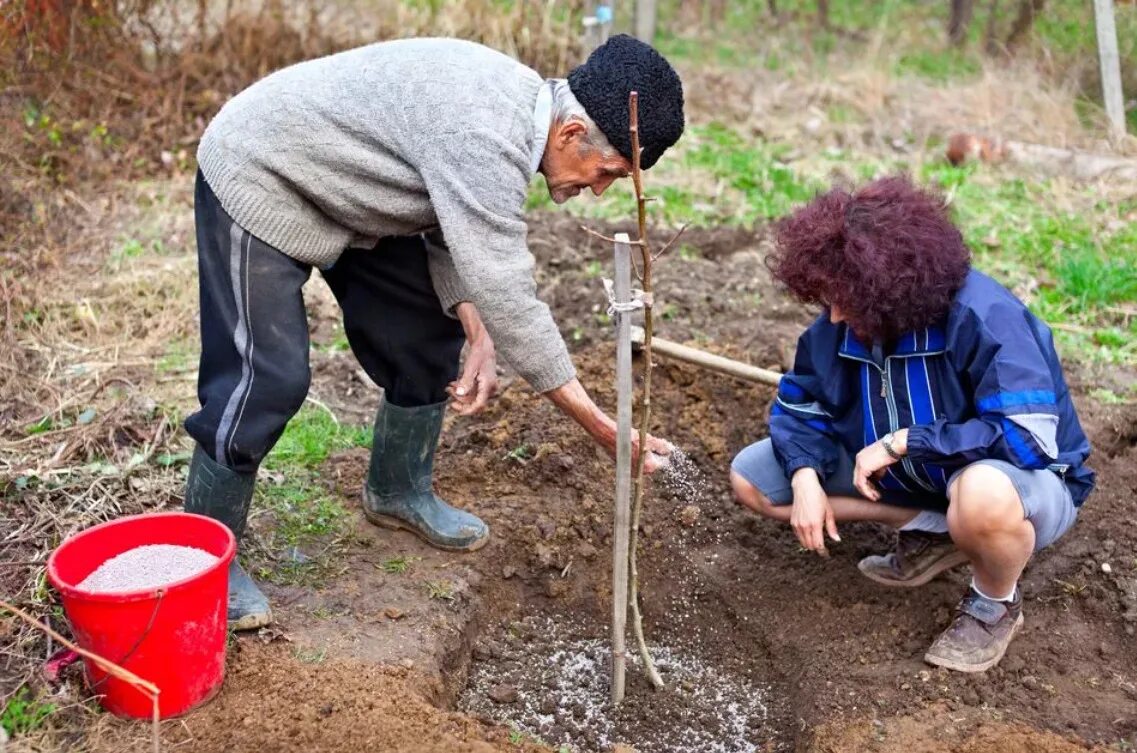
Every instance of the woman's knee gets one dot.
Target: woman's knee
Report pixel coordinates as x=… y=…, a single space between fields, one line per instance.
x=748 y=495
x=983 y=498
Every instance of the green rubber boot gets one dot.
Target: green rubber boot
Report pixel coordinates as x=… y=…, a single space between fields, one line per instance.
x=398 y=492
x=225 y=495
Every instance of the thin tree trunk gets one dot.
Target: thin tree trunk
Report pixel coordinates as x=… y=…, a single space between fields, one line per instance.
x=1024 y=21
x=960 y=20
x=991 y=41
x=645 y=20
x=645 y=399
x=823 y=13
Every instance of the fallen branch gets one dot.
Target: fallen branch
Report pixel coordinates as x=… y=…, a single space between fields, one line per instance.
x=106 y=665
x=965 y=147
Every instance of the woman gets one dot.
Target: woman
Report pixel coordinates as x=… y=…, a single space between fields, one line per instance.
x=925 y=397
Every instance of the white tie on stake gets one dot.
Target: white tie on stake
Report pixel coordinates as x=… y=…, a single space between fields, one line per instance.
x=639 y=299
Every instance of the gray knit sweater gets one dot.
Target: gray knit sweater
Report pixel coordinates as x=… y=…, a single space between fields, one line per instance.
x=398 y=138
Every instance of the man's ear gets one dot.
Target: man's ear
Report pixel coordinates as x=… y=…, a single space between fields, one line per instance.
x=568 y=132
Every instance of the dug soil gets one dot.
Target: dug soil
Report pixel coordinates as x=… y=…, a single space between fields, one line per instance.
x=765 y=647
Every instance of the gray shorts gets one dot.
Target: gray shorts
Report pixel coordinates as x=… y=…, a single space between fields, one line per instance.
x=1046 y=500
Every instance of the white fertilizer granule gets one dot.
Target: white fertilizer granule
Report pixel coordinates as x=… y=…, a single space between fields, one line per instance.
x=147 y=566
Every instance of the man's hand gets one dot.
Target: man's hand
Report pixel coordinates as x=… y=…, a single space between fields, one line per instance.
x=574 y=402
x=478 y=382
x=812 y=515
x=658 y=452
x=873 y=461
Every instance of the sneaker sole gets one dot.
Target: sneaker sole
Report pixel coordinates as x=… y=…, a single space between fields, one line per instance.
x=973 y=668
x=250 y=622
x=953 y=560
x=394 y=524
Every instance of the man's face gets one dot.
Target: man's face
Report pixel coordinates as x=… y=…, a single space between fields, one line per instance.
x=571 y=164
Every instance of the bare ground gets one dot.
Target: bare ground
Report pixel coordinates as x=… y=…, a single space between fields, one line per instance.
x=370 y=657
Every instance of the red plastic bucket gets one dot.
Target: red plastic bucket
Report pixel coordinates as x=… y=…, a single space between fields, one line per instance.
x=173 y=636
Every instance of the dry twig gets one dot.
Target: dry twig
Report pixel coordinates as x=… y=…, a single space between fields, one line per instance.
x=114 y=670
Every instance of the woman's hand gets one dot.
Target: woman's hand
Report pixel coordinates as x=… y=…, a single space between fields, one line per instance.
x=812 y=515
x=873 y=461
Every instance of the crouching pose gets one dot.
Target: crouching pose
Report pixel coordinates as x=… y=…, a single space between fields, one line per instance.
x=926 y=397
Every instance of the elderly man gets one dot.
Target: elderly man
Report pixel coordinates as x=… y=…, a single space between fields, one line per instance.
x=400 y=170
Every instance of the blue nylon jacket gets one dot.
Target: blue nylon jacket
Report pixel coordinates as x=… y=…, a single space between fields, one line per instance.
x=984 y=383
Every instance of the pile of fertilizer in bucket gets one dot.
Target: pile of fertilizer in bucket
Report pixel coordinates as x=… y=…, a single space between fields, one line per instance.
x=148 y=566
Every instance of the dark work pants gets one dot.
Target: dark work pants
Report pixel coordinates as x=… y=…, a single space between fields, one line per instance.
x=254 y=372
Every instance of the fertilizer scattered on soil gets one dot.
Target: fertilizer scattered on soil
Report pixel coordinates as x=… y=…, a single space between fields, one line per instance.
x=683 y=478
x=559 y=692
x=147 y=566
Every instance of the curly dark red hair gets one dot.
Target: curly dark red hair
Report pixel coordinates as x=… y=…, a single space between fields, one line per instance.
x=887 y=255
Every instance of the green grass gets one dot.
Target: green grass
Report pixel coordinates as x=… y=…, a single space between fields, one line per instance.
x=397 y=565
x=311 y=436
x=442 y=590
x=308 y=521
x=303 y=511
x=180 y=356
x=24 y=713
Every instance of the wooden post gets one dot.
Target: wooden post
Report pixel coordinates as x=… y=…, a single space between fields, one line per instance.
x=622 y=517
x=1110 y=66
x=645 y=20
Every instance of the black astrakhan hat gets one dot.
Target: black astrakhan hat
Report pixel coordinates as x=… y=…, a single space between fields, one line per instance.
x=622 y=65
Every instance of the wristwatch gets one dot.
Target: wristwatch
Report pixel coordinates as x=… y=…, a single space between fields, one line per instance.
x=886 y=440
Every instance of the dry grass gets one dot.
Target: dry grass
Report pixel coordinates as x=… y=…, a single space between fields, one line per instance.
x=865 y=98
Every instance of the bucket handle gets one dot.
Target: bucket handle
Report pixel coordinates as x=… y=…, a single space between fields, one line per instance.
x=161 y=592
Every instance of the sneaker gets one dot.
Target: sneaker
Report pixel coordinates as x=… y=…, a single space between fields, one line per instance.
x=979 y=635
x=919 y=557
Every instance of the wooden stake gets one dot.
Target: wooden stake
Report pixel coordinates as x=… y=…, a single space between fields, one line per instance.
x=645 y=401
x=622 y=517
x=1110 y=66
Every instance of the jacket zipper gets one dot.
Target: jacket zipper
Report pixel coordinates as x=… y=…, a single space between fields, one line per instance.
x=894 y=422
x=893 y=415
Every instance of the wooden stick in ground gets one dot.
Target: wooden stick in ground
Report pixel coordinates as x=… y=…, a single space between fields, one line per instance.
x=645 y=401
x=1110 y=63
x=112 y=669
x=622 y=517
x=710 y=361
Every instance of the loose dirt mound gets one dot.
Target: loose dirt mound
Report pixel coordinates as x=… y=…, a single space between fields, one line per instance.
x=274 y=703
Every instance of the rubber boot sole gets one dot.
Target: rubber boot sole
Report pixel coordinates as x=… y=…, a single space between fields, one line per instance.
x=395 y=524
x=250 y=622
x=953 y=560
x=973 y=668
